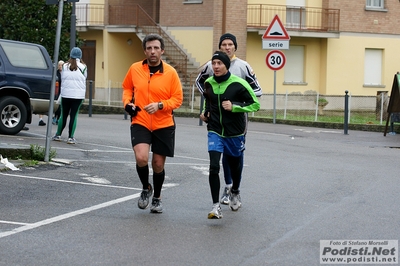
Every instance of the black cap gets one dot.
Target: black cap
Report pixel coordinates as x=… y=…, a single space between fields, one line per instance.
x=223 y=57
x=230 y=37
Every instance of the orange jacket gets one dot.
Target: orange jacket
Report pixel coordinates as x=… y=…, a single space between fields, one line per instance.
x=164 y=86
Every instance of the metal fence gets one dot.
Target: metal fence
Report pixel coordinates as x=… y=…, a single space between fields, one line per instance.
x=289 y=106
x=294 y=17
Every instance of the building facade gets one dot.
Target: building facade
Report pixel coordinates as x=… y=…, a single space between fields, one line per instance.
x=334 y=45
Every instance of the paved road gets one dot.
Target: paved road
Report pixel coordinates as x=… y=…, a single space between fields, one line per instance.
x=301 y=185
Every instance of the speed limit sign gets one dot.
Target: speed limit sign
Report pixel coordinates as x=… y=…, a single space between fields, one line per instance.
x=275 y=60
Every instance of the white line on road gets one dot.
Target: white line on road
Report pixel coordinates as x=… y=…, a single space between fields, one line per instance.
x=67 y=215
x=10 y=222
x=71 y=214
x=68 y=181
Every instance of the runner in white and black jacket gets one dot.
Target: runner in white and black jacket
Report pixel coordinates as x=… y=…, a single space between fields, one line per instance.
x=240 y=68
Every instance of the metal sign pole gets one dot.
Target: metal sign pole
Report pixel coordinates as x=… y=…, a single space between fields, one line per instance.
x=53 y=82
x=274 y=118
x=275 y=36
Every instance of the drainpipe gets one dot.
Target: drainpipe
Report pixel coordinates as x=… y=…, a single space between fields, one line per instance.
x=223 y=17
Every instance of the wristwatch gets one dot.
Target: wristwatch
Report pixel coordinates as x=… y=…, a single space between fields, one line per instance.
x=160 y=105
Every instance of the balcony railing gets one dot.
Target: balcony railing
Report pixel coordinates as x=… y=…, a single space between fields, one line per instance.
x=133 y=15
x=89 y=15
x=258 y=16
x=294 y=17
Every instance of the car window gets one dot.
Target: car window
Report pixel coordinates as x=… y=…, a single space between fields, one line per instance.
x=21 y=55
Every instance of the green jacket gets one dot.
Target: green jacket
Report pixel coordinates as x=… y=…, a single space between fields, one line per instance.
x=238 y=91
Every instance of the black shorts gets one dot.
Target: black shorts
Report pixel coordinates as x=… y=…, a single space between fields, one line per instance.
x=162 y=140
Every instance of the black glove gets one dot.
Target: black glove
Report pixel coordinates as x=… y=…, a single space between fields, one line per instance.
x=132 y=110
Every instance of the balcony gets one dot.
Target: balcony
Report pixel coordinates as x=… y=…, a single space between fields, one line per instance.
x=90 y=15
x=294 y=18
x=127 y=15
x=132 y=18
x=297 y=19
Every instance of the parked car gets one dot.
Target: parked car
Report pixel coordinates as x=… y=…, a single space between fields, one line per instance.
x=26 y=73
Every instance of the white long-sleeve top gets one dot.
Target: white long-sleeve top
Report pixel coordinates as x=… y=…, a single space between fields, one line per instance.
x=238 y=68
x=73 y=83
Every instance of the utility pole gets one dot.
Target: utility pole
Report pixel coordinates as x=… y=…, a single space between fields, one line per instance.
x=53 y=83
x=72 y=42
x=55 y=65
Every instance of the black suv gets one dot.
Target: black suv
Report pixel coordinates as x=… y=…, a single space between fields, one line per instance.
x=26 y=72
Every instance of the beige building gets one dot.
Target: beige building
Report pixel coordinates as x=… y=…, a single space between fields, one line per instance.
x=334 y=45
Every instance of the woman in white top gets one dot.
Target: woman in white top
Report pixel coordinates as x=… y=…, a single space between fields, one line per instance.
x=73 y=90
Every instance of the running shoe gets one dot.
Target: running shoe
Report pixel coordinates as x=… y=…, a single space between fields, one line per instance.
x=156 y=206
x=42 y=123
x=144 y=199
x=225 y=196
x=215 y=213
x=235 y=202
x=57 y=138
x=71 y=141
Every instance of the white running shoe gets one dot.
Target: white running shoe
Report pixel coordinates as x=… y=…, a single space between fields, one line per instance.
x=215 y=213
x=235 y=202
x=57 y=138
x=71 y=141
x=144 y=199
x=156 y=206
x=225 y=196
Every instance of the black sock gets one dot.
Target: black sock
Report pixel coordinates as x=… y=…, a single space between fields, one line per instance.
x=235 y=191
x=158 y=180
x=143 y=173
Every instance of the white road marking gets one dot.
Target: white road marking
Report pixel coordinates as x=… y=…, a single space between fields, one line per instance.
x=67 y=215
x=202 y=169
x=318 y=131
x=30 y=226
x=68 y=181
x=170 y=185
x=10 y=222
x=268 y=133
x=97 y=180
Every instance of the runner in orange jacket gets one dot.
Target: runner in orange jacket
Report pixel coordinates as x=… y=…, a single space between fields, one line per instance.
x=163 y=87
x=151 y=91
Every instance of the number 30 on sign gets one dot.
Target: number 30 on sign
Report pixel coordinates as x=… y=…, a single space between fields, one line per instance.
x=275 y=60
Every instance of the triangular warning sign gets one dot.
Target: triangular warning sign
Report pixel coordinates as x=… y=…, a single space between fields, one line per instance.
x=276 y=30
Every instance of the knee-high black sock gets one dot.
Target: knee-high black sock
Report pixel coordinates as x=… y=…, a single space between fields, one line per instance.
x=234 y=165
x=158 y=180
x=143 y=173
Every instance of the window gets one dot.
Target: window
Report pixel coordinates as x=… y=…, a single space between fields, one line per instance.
x=375 y=4
x=373 y=67
x=192 y=1
x=295 y=17
x=294 y=66
x=295 y=13
x=27 y=56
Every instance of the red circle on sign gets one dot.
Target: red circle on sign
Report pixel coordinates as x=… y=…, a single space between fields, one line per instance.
x=275 y=60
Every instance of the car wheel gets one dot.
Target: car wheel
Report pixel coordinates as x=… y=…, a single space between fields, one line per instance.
x=13 y=115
